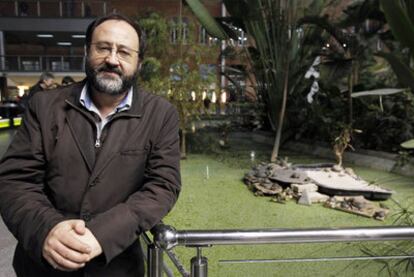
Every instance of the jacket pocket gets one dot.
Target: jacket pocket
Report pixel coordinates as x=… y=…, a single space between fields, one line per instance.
x=134 y=151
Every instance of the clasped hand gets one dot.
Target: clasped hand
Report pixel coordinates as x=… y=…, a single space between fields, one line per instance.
x=70 y=245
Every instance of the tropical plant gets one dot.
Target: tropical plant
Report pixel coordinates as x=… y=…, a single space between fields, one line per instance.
x=278 y=52
x=400 y=18
x=347 y=52
x=404 y=266
x=350 y=52
x=177 y=77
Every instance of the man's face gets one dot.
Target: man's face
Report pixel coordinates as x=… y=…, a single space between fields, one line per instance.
x=112 y=59
x=48 y=83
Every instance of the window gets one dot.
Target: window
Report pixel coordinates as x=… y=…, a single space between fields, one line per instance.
x=202 y=35
x=177 y=70
x=179 y=30
x=242 y=37
x=207 y=70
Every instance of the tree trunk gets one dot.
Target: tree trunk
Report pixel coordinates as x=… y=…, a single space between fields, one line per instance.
x=183 y=150
x=350 y=91
x=276 y=145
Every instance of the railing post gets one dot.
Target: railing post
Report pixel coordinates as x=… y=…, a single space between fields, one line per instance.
x=40 y=64
x=155 y=261
x=16 y=8
x=199 y=265
x=60 y=9
x=19 y=65
x=83 y=8
x=38 y=9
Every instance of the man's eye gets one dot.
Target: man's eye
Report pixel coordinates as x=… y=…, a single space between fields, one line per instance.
x=103 y=49
x=124 y=53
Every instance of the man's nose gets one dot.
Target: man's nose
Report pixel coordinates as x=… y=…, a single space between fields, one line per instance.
x=112 y=58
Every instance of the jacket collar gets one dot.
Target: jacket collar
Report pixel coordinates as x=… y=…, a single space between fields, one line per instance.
x=134 y=111
x=84 y=137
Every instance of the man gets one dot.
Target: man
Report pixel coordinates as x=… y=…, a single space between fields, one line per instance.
x=67 y=80
x=46 y=81
x=92 y=166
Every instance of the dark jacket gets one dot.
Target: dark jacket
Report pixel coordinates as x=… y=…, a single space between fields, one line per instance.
x=52 y=172
x=35 y=89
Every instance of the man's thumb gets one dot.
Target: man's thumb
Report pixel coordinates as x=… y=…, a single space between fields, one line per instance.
x=80 y=227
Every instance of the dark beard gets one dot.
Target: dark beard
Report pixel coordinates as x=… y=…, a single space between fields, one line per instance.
x=107 y=85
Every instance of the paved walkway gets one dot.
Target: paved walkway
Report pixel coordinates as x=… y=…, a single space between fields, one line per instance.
x=7 y=245
x=7 y=241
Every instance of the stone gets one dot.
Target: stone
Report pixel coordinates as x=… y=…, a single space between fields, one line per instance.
x=317 y=197
x=357 y=205
x=305 y=199
x=337 y=168
x=300 y=188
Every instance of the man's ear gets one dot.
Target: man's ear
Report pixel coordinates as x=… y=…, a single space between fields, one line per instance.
x=85 y=51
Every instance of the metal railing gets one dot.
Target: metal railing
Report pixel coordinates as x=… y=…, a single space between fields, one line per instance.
x=51 y=9
x=166 y=238
x=25 y=63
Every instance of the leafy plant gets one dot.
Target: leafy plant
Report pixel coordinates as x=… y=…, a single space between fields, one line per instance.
x=177 y=77
x=404 y=266
x=400 y=17
x=385 y=116
x=278 y=53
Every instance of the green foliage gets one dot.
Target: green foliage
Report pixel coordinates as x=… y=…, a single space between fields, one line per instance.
x=399 y=15
x=279 y=55
x=150 y=68
x=212 y=27
x=408 y=144
x=403 y=267
x=384 y=122
x=403 y=71
x=177 y=77
x=322 y=120
x=156 y=29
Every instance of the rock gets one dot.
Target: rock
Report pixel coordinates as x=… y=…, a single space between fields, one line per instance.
x=317 y=197
x=305 y=199
x=295 y=175
x=357 y=205
x=337 y=168
x=351 y=172
x=300 y=188
x=261 y=173
x=380 y=215
x=273 y=189
x=358 y=202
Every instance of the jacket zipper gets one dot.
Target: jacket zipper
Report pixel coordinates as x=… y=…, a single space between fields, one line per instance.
x=97 y=143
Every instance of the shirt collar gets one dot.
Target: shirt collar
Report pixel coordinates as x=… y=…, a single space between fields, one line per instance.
x=87 y=102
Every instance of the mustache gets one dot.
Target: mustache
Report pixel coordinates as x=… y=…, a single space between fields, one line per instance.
x=110 y=69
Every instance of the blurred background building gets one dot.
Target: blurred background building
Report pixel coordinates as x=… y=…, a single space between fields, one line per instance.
x=48 y=35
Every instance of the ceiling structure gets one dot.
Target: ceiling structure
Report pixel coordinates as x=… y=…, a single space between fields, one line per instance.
x=76 y=39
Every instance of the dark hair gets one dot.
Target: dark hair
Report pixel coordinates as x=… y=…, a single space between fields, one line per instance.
x=120 y=17
x=67 y=80
x=46 y=76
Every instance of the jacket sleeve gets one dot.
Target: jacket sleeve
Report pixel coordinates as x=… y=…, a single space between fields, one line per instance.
x=24 y=206
x=146 y=207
